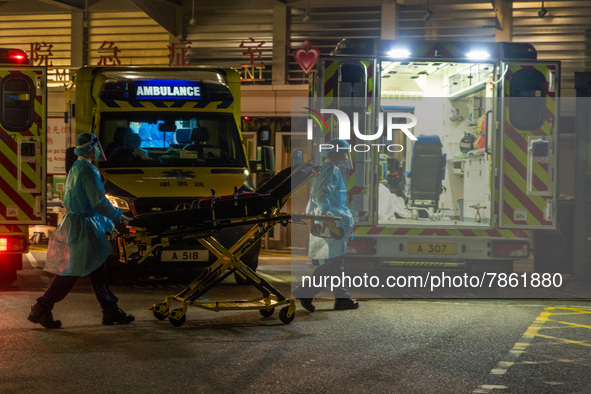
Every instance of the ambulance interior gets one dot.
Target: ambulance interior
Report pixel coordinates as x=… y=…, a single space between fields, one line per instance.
x=171 y=139
x=443 y=178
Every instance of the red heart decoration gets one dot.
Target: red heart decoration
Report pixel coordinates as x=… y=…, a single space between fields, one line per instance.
x=306 y=58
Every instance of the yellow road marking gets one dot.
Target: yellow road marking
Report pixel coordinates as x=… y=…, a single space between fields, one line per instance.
x=528 y=336
x=570 y=324
x=564 y=340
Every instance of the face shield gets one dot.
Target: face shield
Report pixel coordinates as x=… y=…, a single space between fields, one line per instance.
x=344 y=160
x=340 y=153
x=99 y=154
x=86 y=143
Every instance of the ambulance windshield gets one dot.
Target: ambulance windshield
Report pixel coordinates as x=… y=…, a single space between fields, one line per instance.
x=171 y=139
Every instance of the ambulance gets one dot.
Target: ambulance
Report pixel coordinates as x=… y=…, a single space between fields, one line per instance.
x=170 y=137
x=23 y=122
x=454 y=147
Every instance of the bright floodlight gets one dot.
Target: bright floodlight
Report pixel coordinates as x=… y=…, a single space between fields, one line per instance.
x=478 y=55
x=398 y=52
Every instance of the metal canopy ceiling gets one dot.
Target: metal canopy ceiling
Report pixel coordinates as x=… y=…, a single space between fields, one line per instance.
x=564 y=33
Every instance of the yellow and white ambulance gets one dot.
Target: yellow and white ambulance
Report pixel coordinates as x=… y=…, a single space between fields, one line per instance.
x=171 y=136
x=476 y=171
x=23 y=117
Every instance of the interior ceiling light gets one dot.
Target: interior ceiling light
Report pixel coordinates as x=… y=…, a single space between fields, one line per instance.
x=192 y=21
x=478 y=55
x=542 y=13
x=398 y=53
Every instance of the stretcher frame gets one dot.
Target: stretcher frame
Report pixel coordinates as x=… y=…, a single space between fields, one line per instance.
x=227 y=261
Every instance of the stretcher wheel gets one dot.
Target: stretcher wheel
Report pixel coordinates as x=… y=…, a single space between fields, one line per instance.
x=159 y=316
x=284 y=316
x=160 y=311
x=177 y=322
x=267 y=312
x=177 y=317
x=316 y=229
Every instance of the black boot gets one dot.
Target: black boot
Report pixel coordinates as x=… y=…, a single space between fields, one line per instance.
x=340 y=304
x=307 y=304
x=298 y=292
x=45 y=318
x=116 y=316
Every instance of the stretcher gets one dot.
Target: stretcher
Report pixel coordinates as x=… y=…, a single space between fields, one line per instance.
x=150 y=233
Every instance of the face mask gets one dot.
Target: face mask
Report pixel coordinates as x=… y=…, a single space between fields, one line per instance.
x=97 y=153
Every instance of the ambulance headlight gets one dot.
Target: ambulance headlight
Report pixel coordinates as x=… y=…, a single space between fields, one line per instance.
x=118 y=202
x=399 y=53
x=478 y=55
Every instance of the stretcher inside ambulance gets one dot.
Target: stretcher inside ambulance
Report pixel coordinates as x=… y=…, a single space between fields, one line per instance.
x=443 y=177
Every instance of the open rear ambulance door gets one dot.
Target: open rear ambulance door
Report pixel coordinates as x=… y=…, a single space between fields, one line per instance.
x=528 y=145
x=22 y=146
x=348 y=84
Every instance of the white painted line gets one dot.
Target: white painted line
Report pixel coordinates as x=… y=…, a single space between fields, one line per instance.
x=32 y=260
x=518 y=349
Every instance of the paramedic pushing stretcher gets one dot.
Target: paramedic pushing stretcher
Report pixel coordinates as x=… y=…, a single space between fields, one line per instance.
x=79 y=246
x=328 y=196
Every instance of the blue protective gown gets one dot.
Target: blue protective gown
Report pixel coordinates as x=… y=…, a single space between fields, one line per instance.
x=329 y=194
x=79 y=245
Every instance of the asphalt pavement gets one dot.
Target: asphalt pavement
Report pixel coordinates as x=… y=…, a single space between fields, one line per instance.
x=387 y=345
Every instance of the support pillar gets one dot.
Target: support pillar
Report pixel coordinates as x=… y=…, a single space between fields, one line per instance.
x=280 y=50
x=78 y=40
x=581 y=261
x=504 y=23
x=389 y=15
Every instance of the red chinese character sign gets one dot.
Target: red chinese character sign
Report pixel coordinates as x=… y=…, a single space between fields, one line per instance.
x=57 y=132
x=40 y=53
x=108 y=54
x=306 y=56
x=254 y=53
x=178 y=53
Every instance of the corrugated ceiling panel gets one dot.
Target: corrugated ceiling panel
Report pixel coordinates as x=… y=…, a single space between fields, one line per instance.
x=20 y=31
x=472 y=20
x=563 y=34
x=218 y=33
x=139 y=39
x=326 y=27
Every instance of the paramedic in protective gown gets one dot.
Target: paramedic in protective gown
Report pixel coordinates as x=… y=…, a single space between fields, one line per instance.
x=79 y=246
x=328 y=196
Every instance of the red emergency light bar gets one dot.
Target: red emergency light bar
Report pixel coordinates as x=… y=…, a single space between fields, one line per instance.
x=13 y=56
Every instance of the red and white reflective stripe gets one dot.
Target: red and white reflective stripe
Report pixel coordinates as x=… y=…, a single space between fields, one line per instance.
x=439 y=232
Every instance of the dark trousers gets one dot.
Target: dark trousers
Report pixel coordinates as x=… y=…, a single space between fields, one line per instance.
x=331 y=267
x=60 y=286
